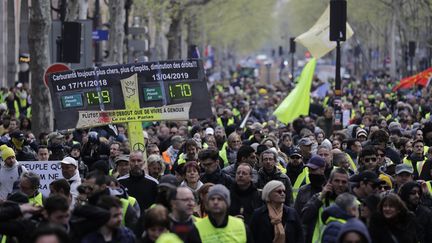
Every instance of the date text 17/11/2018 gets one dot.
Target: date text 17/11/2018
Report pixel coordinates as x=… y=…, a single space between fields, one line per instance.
x=82 y=84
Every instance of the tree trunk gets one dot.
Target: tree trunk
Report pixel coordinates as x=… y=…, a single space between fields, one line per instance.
x=393 y=47
x=116 y=31
x=12 y=44
x=83 y=9
x=72 y=10
x=39 y=29
x=174 y=36
x=3 y=41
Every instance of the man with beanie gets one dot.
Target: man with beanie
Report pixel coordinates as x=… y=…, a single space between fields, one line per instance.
x=219 y=226
x=275 y=222
x=10 y=172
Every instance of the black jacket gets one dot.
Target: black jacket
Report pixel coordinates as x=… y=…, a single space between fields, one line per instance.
x=244 y=202
x=217 y=177
x=85 y=219
x=400 y=230
x=263 y=230
x=276 y=174
x=141 y=188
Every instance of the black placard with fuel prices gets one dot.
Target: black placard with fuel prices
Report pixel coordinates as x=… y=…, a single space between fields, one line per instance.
x=159 y=83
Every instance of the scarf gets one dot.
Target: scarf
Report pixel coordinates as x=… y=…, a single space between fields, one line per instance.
x=276 y=220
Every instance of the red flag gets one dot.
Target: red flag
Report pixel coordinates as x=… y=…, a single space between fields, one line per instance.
x=421 y=79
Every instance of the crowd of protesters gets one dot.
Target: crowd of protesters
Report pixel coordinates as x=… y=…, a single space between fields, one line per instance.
x=239 y=176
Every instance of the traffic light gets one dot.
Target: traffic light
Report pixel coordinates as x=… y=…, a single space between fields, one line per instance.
x=292 y=45
x=338 y=16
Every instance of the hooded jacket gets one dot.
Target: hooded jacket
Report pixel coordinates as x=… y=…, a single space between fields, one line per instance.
x=356 y=226
x=423 y=215
x=334 y=218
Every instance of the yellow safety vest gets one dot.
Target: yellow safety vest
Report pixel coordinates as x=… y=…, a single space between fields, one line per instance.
x=125 y=204
x=223 y=154
x=36 y=200
x=131 y=200
x=230 y=121
x=329 y=220
x=234 y=231
x=317 y=233
x=429 y=186
x=302 y=179
x=419 y=164
x=181 y=159
x=353 y=166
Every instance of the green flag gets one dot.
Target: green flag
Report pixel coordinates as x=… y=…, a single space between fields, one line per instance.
x=297 y=102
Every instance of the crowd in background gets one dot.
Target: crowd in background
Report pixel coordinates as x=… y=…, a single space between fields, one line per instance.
x=239 y=176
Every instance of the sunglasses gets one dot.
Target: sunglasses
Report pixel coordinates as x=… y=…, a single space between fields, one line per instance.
x=386 y=188
x=367 y=160
x=280 y=191
x=295 y=157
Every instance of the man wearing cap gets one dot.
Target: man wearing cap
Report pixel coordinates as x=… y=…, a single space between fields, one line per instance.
x=361 y=135
x=219 y=226
x=295 y=165
x=313 y=181
x=56 y=146
x=69 y=168
x=122 y=167
x=10 y=172
x=364 y=184
x=23 y=151
x=138 y=185
x=403 y=174
x=417 y=159
x=305 y=145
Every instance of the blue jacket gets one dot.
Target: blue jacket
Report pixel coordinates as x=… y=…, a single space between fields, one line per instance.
x=332 y=217
x=354 y=225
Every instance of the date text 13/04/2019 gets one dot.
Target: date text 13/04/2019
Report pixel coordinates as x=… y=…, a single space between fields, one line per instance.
x=170 y=76
x=82 y=84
